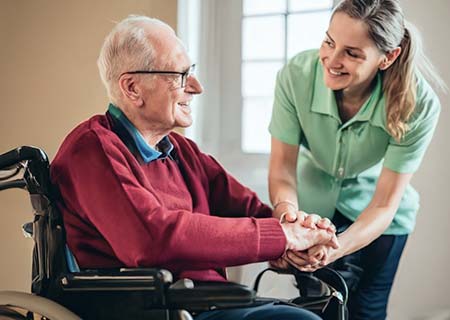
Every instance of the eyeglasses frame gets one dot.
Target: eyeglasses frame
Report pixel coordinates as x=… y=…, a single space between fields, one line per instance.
x=184 y=75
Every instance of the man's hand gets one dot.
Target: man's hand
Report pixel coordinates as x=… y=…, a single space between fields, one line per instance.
x=304 y=231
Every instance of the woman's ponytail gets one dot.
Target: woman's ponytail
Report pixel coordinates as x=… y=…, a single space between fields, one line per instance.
x=399 y=83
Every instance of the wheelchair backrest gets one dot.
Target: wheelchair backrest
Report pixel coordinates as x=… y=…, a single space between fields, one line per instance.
x=49 y=262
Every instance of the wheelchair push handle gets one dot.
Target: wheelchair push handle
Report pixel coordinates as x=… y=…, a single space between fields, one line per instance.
x=21 y=154
x=35 y=163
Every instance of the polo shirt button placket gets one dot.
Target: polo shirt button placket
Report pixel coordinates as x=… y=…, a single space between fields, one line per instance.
x=340 y=172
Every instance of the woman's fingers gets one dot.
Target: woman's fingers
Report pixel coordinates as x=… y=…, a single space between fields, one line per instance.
x=279 y=264
x=311 y=221
x=297 y=259
x=324 y=223
x=290 y=216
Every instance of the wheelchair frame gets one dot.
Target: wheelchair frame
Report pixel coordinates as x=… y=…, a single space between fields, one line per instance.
x=109 y=293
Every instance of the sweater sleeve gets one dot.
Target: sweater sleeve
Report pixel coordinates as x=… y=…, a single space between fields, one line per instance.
x=227 y=196
x=100 y=183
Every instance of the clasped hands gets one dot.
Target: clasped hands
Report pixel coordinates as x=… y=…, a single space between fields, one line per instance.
x=311 y=241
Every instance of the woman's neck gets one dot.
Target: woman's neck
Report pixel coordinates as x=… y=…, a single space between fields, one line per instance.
x=350 y=101
x=355 y=98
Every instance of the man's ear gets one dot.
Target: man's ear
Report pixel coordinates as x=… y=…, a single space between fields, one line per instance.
x=390 y=58
x=131 y=89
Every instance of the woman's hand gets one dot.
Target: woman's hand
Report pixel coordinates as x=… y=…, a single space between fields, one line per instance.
x=314 y=221
x=283 y=263
x=314 y=258
x=286 y=211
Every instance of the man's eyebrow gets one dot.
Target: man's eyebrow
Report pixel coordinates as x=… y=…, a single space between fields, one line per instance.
x=348 y=47
x=170 y=66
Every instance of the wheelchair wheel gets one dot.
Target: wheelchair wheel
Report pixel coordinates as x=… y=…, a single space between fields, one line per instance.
x=7 y=313
x=32 y=303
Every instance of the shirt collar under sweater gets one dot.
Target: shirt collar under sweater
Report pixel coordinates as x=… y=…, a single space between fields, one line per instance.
x=147 y=153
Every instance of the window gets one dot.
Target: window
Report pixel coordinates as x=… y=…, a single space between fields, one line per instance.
x=272 y=32
x=239 y=45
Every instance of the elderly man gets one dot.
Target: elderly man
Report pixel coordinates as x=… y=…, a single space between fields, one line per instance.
x=136 y=194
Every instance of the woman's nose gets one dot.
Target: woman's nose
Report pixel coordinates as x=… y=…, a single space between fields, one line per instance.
x=335 y=59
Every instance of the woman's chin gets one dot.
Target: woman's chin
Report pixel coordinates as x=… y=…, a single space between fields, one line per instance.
x=334 y=85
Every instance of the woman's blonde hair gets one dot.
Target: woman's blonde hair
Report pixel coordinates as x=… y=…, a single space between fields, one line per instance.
x=389 y=30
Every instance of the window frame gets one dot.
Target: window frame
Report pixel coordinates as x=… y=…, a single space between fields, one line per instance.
x=269 y=95
x=217 y=127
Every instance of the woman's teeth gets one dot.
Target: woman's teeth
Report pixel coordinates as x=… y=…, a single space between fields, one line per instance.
x=334 y=72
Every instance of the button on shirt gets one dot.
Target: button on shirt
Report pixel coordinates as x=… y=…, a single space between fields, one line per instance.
x=339 y=163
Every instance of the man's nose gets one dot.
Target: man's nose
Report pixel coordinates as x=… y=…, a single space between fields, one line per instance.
x=193 y=85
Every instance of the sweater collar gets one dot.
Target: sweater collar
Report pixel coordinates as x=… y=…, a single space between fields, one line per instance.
x=148 y=153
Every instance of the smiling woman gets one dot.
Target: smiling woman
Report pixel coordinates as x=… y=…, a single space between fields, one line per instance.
x=364 y=117
x=351 y=60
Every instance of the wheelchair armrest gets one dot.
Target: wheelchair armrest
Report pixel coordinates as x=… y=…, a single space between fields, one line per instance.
x=209 y=295
x=156 y=285
x=124 y=279
x=142 y=287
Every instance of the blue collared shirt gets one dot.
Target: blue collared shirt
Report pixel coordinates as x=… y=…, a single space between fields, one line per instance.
x=147 y=152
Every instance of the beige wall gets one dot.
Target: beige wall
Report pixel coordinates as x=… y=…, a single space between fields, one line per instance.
x=423 y=281
x=48 y=84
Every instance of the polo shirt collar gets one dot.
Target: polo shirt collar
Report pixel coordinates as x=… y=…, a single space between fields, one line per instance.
x=147 y=152
x=324 y=100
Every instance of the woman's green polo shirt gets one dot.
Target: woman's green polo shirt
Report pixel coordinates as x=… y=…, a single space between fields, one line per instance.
x=339 y=163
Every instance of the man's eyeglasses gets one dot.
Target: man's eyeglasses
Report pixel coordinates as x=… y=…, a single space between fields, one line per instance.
x=184 y=75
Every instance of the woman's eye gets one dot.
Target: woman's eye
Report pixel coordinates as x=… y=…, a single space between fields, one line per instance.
x=352 y=54
x=329 y=43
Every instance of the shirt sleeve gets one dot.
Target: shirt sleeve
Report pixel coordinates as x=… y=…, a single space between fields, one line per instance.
x=284 y=124
x=406 y=155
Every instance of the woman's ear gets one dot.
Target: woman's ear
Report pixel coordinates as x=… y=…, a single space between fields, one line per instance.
x=130 y=89
x=390 y=58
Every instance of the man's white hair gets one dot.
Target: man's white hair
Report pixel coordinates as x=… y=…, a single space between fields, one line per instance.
x=126 y=48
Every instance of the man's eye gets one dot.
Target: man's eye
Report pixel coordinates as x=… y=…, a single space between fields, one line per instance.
x=174 y=77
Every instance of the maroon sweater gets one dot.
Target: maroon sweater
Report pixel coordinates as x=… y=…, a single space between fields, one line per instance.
x=185 y=214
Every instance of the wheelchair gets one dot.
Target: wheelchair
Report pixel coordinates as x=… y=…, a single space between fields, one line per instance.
x=60 y=290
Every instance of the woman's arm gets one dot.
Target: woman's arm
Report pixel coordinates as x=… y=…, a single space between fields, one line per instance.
x=375 y=219
x=283 y=177
x=372 y=222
